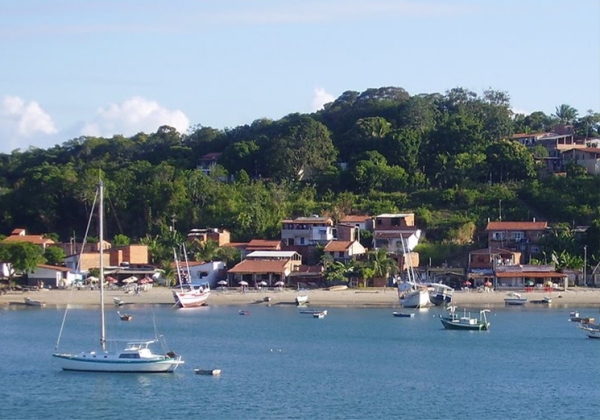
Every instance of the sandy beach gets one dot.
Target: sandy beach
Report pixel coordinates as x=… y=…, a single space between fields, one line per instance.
x=377 y=297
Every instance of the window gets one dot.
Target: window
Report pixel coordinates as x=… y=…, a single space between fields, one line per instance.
x=517 y=236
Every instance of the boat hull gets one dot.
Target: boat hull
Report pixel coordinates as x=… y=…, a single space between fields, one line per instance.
x=104 y=362
x=301 y=300
x=415 y=299
x=190 y=299
x=515 y=302
x=403 y=315
x=454 y=324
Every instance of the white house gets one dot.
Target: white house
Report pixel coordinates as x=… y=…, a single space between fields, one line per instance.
x=52 y=276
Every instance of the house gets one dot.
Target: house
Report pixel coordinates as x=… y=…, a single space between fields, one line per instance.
x=518 y=276
x=263 y=245
x=204 y=272
x=208 y=162
x=556 y=142
x=588 y=157
x=344 y=250
x=267 y=266
x=396 y=233
x=51 y=276
x=490 y=258
x=221 y=236
x=306 y=231
x=516 y=236
x=19 y=235
x=128 y=256
x=359 y=221
x=306 y=276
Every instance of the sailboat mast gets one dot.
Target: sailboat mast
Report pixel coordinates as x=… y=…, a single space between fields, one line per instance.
x=101 y=275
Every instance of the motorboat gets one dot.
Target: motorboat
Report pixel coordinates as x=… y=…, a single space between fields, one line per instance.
x=243 y=312
x=440 y=294
x=118 y=301
x=454 y=321
x=313 y=311
x=591 y=330
x=515 y=299
x=124 y=317
x=34 y=302
x=403 y=314
x=321 y=314
x=209 y=372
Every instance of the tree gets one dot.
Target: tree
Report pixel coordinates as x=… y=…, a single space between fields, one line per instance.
x=54 y=255
x=565 y=114
x=121 y=240
x=23 y=258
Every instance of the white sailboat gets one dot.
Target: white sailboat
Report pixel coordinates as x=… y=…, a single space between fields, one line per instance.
x=135 y=357
x=188 y=295
x=410 y=293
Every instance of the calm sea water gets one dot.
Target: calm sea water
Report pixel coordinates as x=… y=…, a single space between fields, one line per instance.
x=276 y=363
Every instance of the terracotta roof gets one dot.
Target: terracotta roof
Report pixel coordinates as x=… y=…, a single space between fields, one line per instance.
x=17 y=231
x=309 y=269
x=263 y=244
x=525 y=135
x=310 y=220
x=516 y=226
x=33 y=239
x=259 y=266
x=54 y=267
x=338 y=246
x=355 y=219
x=530 y=274
x=394 y=235
x=486 y=251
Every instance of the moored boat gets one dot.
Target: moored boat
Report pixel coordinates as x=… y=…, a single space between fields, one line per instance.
x=403 y=314
x=515 y=299
x=301 y=299
x=210 y=372
x=243 y=312
x=321 y=314
x=440 y=294
x=34 y=302
x=574 y=317
x=453 y=321
x=591 y=330
x=418 y=298
x=312 y=311
x=124 y=317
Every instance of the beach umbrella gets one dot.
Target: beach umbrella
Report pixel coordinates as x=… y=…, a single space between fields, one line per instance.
x=280 y=283
x=92 y=279
x=111 y=280
x=222 y=282
x=130 y=279
x=243 y=283
x=467 y=283
x=263 y=283
x=529 y=283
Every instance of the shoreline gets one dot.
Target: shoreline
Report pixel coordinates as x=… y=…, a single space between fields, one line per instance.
x=372 y=297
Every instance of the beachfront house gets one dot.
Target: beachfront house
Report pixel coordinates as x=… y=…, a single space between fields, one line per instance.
x=344 y=250
x=516 y=236
x=269 y=267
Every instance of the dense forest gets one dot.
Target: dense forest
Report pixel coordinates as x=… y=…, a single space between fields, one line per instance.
x=445 y=157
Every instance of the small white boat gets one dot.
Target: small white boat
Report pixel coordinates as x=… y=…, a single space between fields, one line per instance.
x=209 y=372
x=515 y=299
x=574 y=317
x=546 y=299
x=403 y=314
x=33 y=302
x=301 y=299
x=243 y=312
x=440 y=294
x=118 y=301
x=415 y=299
x=320 y=314
x=312 y=311
x=124 y=317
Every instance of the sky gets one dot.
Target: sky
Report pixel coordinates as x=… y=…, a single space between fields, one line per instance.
x=74 y=68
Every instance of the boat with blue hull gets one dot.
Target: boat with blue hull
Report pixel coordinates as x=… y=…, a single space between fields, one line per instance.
x=454 y=321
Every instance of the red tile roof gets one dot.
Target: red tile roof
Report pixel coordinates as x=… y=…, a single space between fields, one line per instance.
x=259 y=266
x=531 y=274
x=33 y=239
x=355 y=219
x=263 y=244
x=337 y=246
x=516 y=226
x=54 y=267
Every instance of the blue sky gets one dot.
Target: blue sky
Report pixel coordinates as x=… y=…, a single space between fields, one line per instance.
x=104 y=67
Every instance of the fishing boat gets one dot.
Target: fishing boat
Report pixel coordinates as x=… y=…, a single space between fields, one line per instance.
x=135 y=356
x=514 y=299
x=403 y=314
x=188 y=295
x=34 y=302
x=243 y=312
x=118 y=301
x=440 y=294
x=321 y=314
x=453 y=321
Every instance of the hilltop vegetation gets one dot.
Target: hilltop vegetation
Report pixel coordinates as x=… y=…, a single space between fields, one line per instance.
x=445 y=157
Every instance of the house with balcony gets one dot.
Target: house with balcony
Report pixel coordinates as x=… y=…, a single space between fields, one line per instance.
x=208 y=162
x=396 y=233
x=306 y=231
x=516 y=236
x=588 y=157
x=344 y=250
x=269 y=267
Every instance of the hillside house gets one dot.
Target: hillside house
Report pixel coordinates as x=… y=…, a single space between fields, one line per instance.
x=516 y=236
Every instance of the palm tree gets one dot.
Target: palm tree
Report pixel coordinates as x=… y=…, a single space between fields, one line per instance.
x=566 y=114
x=381 y=263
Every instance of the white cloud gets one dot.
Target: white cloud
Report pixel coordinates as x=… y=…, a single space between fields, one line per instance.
x=23 y=124
x=320 y=98
x=519 y=111
x=132 y=116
